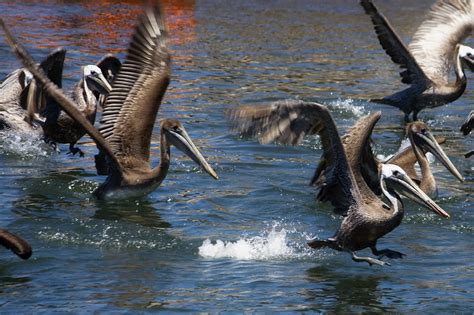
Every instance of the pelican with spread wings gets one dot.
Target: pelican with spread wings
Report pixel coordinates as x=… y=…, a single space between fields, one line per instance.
x=367 y=218
x=433 y=52
x=130 y=111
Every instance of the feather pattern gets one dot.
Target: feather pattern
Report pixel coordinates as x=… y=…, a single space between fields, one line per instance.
x=138 y=89
x=433 y=45
x=394 y=46
x=288 y=122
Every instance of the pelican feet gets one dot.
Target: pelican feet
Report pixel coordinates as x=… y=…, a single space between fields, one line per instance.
x=371 y=261
x=74 y=150
x=386 y=253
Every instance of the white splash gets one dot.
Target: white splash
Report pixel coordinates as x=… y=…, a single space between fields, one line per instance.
x=273 y=244
x=348 y=105
x=26 y=145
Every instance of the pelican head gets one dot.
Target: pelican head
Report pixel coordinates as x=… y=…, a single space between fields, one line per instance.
x=396 y=180
x=26 y=77
x=95 y=80
x=466 y=54
x=177 y=136
x=420 y=135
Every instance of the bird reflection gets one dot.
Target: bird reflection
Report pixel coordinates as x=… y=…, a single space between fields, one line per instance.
x=344 y=292
x=137 y=211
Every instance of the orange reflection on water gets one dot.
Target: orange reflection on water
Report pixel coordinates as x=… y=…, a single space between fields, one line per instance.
x=96 y=27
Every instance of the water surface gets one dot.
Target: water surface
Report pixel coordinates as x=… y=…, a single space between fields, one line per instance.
x=238 y=243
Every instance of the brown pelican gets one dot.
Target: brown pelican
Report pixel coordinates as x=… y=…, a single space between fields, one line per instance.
x=16 y=244
x=421 y=142
x=58 y=126
x=427 y=61
x=130 y=112
x=18 y=89
x=368 y=218
x=466 y=129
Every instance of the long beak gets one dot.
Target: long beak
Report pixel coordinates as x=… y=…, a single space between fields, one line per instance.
x=181 y=140
x=99 y=83
x=428 y=143
x=408 y=188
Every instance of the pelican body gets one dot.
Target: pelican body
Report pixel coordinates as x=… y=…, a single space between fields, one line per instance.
x=367 y=217
x=428 y=60
x=130 y=111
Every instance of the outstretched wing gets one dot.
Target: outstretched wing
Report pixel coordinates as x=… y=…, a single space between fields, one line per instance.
x=433 y=45
x=360 y=157
x=131 y=108
x=288 y=122
x=394 y=47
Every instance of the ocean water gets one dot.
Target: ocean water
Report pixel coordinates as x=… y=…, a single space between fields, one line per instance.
x=239 y=243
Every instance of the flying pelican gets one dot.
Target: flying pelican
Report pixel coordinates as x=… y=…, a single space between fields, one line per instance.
x=421 y=142
x=17 y=90
x=16 y=244
x=130 y=112
x=427 y=61
x=59 y=127
x=466 y=129
x=368 y=218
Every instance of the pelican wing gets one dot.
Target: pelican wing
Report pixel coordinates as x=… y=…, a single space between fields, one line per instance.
x=110 y=66
x=394 y=47
x=288 y=122
x=131 y=108
x=433 y=45
x=365 y=167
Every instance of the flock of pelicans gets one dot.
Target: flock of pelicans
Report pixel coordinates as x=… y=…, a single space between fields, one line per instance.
x=365 y=190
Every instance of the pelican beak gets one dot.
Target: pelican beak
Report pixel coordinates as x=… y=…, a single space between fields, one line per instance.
x=97 y=82
x=428 y=143
x=180 y=139
x=402 y=184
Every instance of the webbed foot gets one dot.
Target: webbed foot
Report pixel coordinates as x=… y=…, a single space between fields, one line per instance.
x=371 y=261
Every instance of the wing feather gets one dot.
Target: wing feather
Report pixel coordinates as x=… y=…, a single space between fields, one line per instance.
x=433 y=45
x=288 y=122
x=394 y=46
x=131 y=108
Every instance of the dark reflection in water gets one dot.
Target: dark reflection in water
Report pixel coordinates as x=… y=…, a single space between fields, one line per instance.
x=342 y=292
x=139 y=211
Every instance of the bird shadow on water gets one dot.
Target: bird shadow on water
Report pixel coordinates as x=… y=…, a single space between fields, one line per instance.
x=337 y=291
x=68 y=194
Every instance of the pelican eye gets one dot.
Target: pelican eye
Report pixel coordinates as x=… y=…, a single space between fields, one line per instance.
x=423 y=131
x=469 y=54
x=396 y=173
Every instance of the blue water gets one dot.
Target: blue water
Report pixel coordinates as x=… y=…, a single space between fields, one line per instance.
x=236 y=244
